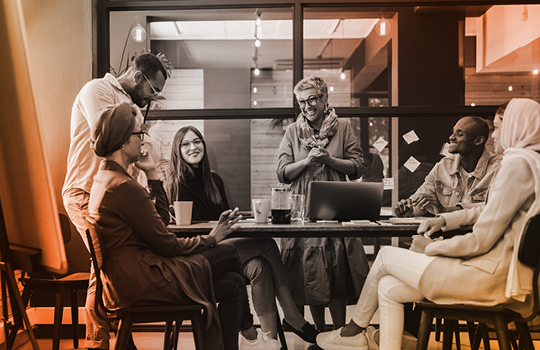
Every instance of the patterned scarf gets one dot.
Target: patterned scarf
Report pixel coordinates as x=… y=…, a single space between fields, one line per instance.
x=328 y=129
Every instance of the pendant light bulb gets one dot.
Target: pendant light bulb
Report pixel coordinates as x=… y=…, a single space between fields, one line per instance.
x=383 y=27
x=138 y=33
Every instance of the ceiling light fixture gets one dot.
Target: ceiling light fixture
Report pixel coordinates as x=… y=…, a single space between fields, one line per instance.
x=258 y=28
x=535 y=72
x=138 y=33
x=383 y=27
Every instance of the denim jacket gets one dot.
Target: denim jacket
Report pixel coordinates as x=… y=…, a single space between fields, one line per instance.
x=453 y=186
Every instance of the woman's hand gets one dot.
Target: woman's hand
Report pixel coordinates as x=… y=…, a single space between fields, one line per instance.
x=432 y=225
x=419 y=243
x=320 y=156
x=146 y=164
x=224 y=227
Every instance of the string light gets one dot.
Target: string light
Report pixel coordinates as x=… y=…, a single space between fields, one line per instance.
x=342 y=76
x=254 y=90
x=258 y=28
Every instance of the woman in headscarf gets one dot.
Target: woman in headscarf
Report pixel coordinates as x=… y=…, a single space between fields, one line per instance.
x=478 y=268
x=147 y=264
x=319 y=146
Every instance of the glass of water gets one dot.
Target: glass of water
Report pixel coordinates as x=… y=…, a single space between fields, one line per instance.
x=297 y=207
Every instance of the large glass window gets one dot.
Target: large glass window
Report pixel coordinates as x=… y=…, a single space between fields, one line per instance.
x=426 y=66
x=239 y=58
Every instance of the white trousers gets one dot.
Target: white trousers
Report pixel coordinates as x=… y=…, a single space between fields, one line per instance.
x=392 y=281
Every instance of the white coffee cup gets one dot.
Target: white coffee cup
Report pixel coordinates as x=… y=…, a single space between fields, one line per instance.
x=261 y=208
x=182 y=212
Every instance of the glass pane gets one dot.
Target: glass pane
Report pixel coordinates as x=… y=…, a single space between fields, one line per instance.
x=219 y=55
x=501 y=54
x=347 y=47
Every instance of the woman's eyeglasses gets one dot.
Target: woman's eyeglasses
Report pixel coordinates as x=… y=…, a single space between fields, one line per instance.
x=140 y=134
x=187 y=144
x=312 y=101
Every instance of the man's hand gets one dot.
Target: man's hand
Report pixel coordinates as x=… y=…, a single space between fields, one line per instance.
x=430 y=203
x=224 y=227
x=420 y=243
x=404 y=208
x=432 y=225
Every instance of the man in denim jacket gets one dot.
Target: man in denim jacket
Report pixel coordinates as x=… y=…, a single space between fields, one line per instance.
x=460 y=180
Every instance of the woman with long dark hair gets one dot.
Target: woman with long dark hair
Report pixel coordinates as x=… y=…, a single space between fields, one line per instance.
x=190 y=179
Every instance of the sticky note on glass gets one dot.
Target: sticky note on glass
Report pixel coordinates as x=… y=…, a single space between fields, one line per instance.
x=388 y=183
x=444 y=150
x=412 y=164
x=380 y=144
x=410 y=137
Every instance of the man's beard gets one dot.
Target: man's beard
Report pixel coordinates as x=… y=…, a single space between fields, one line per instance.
x=137 y=96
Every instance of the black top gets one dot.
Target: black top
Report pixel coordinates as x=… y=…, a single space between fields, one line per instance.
x=203 y=207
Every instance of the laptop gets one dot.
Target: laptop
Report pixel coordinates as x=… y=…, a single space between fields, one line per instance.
x=344 y=201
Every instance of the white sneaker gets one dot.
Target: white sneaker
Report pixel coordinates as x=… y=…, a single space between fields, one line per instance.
x=373 y=338
x=263 y=342
x=334 y=341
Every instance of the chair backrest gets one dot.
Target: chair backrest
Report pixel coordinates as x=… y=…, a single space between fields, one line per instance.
x=93 y=236
x=529 y=254
x=65 y=225
x=529 y=247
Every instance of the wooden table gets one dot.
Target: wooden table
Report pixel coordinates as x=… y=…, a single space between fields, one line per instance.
x=248 y=228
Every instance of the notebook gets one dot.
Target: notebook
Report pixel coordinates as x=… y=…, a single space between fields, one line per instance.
x=344 y=201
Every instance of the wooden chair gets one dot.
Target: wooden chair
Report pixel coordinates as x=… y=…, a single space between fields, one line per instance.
x=60 y=286
x=142 y=314
x=499 y=316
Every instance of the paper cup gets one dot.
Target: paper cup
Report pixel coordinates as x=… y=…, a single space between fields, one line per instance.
x=182 y=212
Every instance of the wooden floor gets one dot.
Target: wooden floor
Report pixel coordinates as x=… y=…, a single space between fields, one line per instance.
x=154 y=341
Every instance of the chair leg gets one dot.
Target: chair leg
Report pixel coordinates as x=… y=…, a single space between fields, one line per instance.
x=176 y=335
x=58 y=312
x=525 y=341
x=472 y=329
x=169 y=329
x=502 y=333
x=456 y=332
x=198 y=330
x=426 y=321
x=484 y=335
x=280 y=333
x=438 y=328
x=448 y=334
x=123 y=333
x=75 y=318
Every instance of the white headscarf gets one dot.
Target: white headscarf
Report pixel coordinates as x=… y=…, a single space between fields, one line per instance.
x=520 y=137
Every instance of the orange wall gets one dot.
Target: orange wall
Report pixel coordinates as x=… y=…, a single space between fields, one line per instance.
x=59 y=51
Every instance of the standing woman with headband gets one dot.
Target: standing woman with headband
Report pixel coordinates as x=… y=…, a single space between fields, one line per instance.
x=322 y=271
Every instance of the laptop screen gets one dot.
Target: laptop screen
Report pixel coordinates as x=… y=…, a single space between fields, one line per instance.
x=344 y=201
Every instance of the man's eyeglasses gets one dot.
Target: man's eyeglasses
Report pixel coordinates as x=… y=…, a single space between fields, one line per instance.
x=157 y=93
x=187 y=144
x=312 y=101
x=140 y=134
